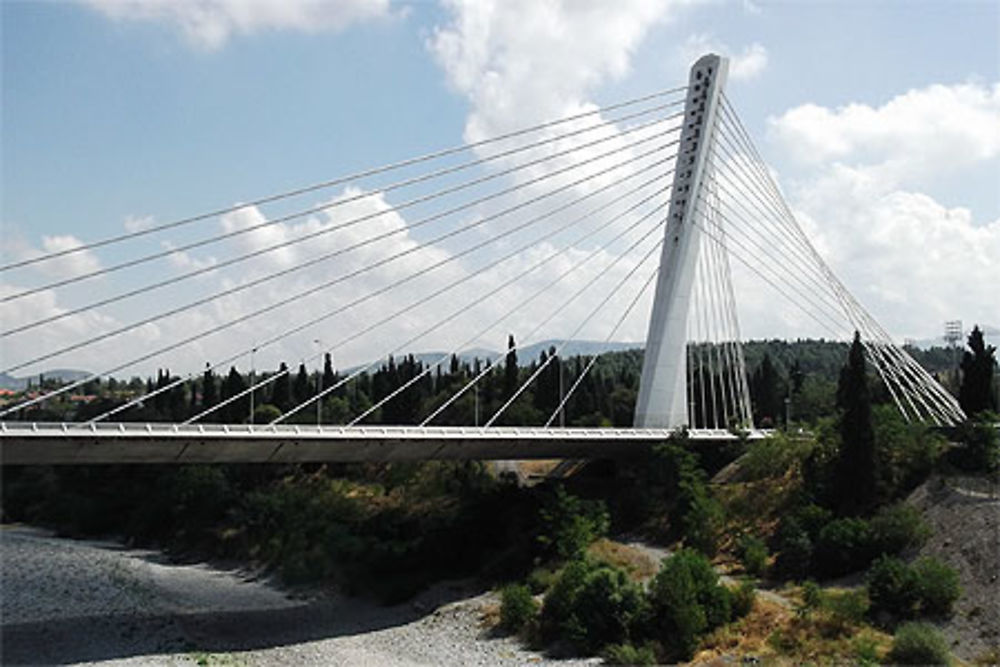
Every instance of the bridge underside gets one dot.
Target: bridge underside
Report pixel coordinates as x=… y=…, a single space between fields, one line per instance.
x=31 y=444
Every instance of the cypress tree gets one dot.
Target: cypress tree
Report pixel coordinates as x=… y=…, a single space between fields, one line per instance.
x=281 y=396
x=510 y=369
x=977 y=392
x=209 y=390
x=302 y=388
x=854 y=472
x=329 y=378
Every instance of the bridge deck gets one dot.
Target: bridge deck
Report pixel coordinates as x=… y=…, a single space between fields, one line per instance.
x=23 y=443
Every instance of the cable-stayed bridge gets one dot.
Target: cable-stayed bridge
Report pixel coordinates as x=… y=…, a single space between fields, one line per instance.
x=570 y=225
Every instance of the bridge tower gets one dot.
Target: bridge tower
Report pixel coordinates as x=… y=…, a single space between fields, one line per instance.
x=663 y=398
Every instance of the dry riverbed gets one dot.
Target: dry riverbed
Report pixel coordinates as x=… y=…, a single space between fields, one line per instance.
x=65 y=601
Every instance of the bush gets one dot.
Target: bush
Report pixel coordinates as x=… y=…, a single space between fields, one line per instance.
x=897 y=528
x=517 y=607
x=795 y=553
x=753 y=555
x=929 y=586
x=774 y=456
x=627 y=654
x=570 y=524
x=892 y=587
x=844 y=546
x=937 y=586
x=591 y=604
x=606 y=607
x=686 y=600
x=812 y=598
x=541 y=579
x=980 y=450
x=918 y=644
x=743 y=598
x=845 y=610
x=702 y=517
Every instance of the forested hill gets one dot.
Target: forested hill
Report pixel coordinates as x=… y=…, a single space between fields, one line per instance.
x=794 y=380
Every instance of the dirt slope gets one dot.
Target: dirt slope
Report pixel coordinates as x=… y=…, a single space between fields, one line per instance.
x=966 y=536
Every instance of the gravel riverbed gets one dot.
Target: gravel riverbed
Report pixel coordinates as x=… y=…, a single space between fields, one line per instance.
x=68 y=602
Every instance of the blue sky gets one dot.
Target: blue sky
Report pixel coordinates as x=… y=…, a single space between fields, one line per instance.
x=117 y=110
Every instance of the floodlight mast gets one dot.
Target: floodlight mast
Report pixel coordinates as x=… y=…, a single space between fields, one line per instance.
x=662 y=401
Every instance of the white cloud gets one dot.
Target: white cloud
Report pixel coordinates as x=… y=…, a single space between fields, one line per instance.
x=743 y=66
x=208 y=24
x=749 y=64
x=911 y=260
x=522 y=61
x=67 y=266
x=922 y=132
x=138 y=223
x=367 y=274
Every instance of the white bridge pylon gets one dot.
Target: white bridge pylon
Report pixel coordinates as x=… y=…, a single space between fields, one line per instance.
x=667 y=392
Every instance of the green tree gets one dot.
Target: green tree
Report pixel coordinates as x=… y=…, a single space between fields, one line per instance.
x=765 y=390
x=209 y=390
x=855 y=474
x=236 y=411
x=977 y=392
x=510 y=369
x=301 y=388
x=686 y=600
x=281 y=396
x=329 y=377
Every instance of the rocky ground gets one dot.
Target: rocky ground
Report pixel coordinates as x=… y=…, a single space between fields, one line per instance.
x=66 y=602
x=966 y=535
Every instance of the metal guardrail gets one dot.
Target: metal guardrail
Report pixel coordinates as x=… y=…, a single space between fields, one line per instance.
x=28 y=443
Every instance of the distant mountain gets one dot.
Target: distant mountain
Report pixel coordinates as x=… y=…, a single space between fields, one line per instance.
x=573 y=348
x=61 y=374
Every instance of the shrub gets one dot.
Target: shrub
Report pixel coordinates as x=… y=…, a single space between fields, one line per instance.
x=844 y=545
x=897 y=528
x=743 y=598
x=591 y=604
x=865 y=649
x=753 y=555
x=937 y=586
x=980 y=450
x=570 y=524
x=892 y=587
x=918 y=644
x=812 y=598
x=795 y=553
x=605 y=608
x=628 y=654
x=686 y=600
x=845 y=609
x=774 y=456
x=929 y=586
x=702 y=517
x=517 y=607
x=541 y=579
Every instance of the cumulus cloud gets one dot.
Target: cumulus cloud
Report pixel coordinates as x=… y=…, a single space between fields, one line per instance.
x=910 y=259
x=138 y=223
x=921 y=132
x=208 y=24
x=743 y=66
x=520 y=61
x=65 y=266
